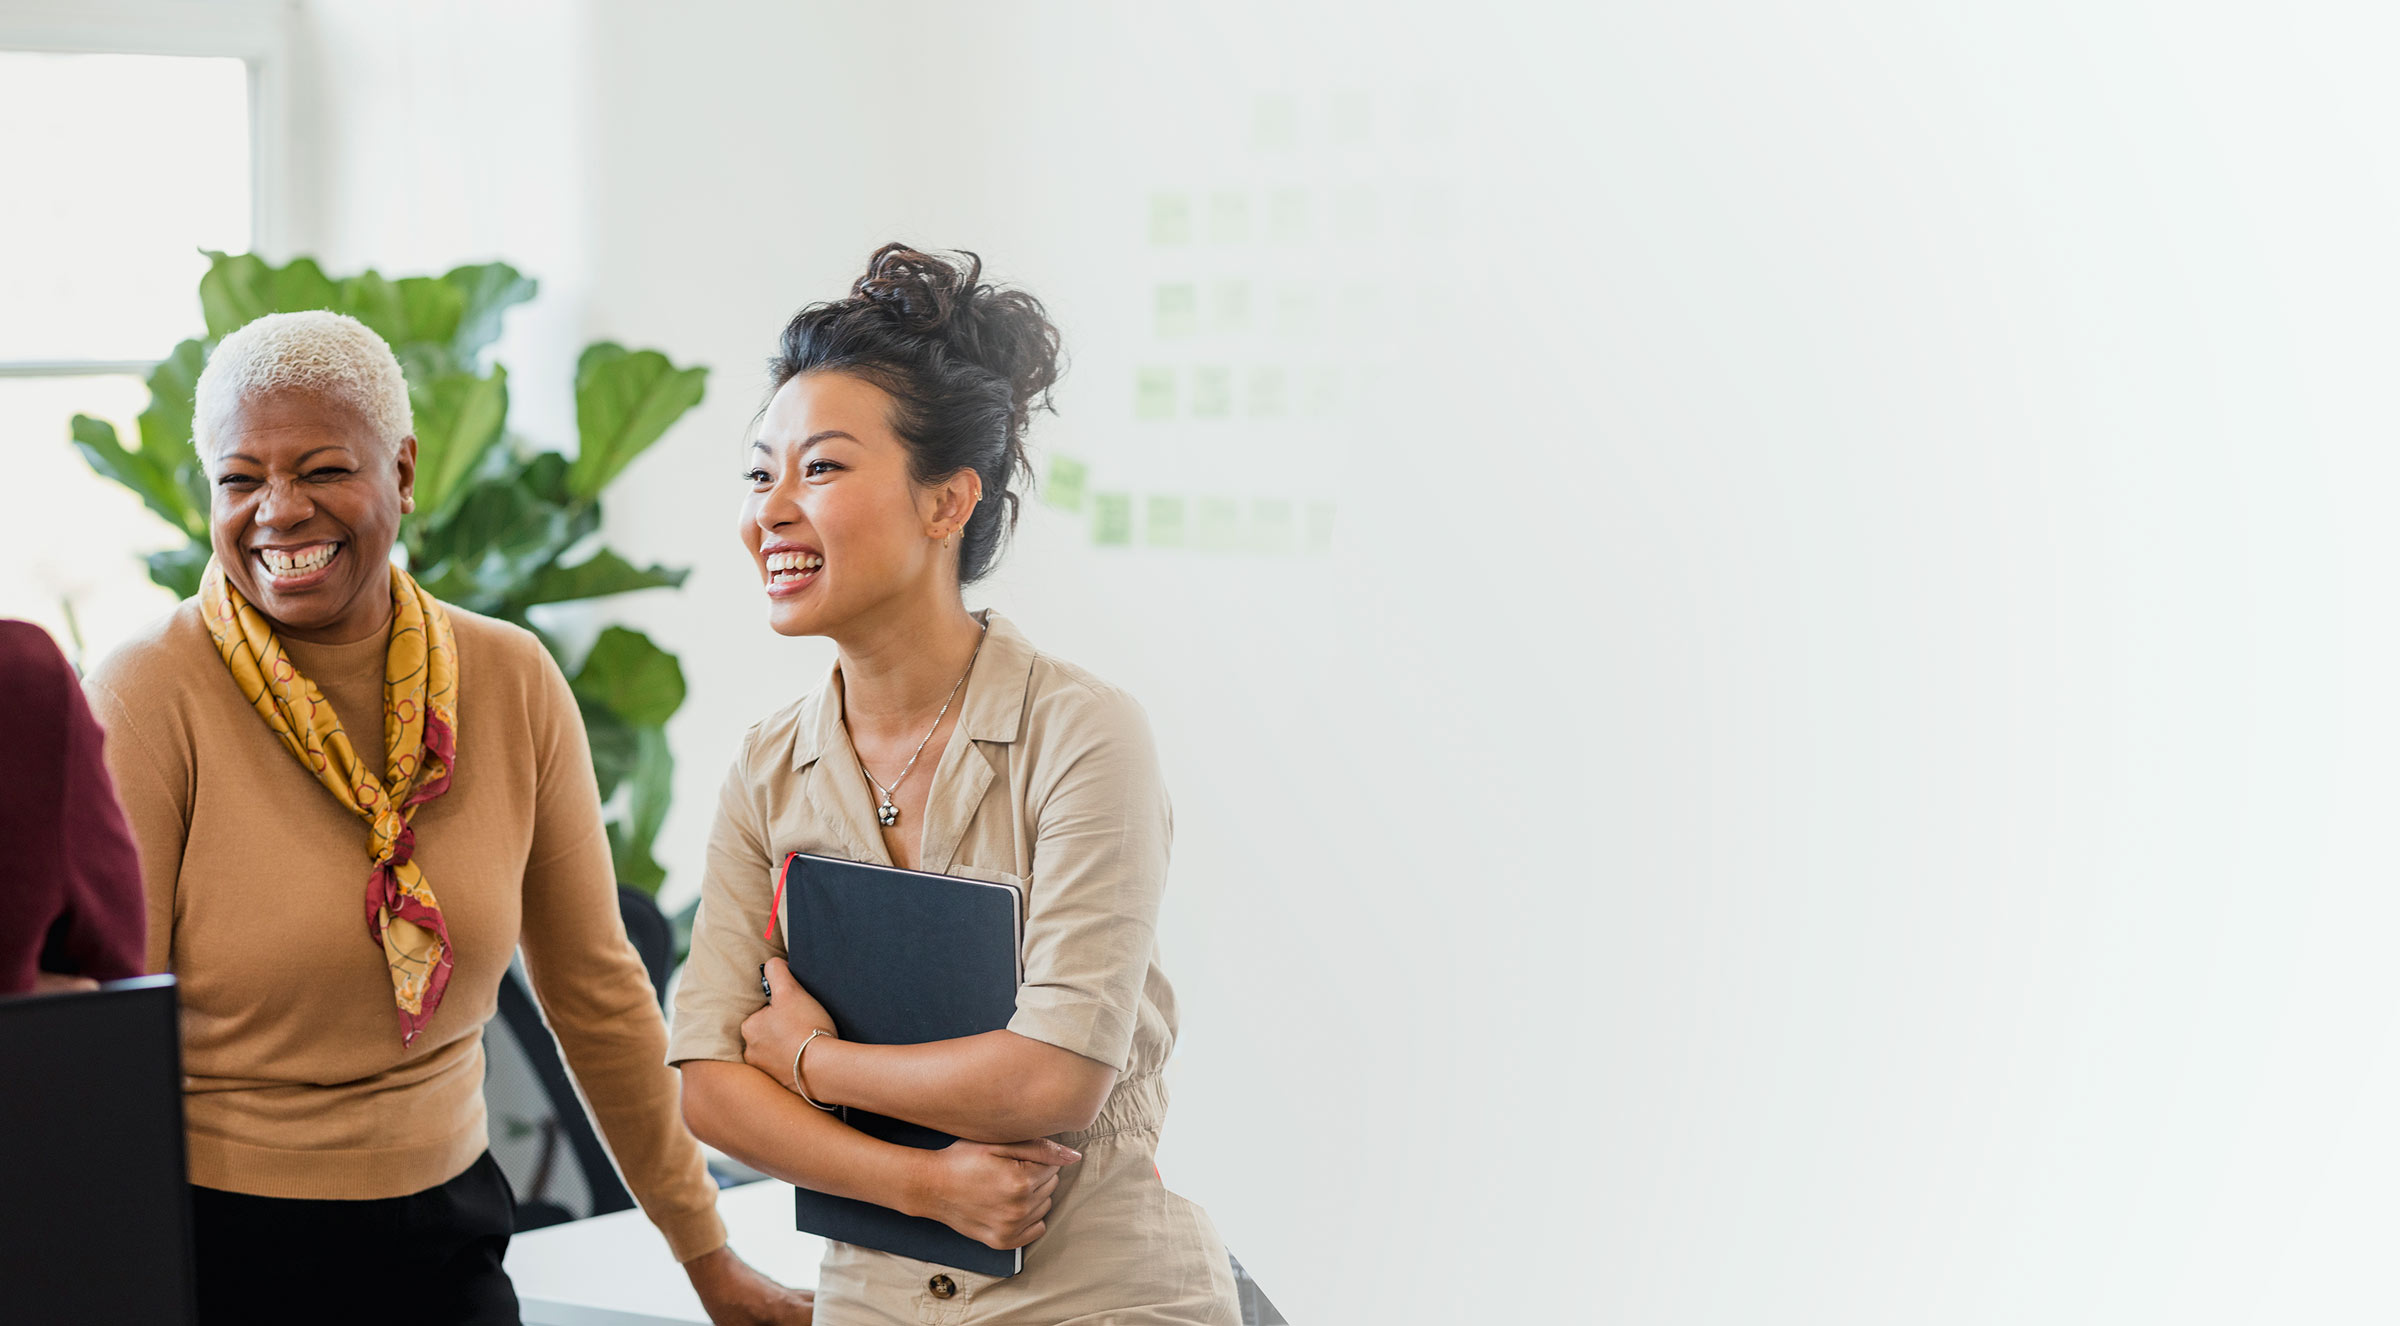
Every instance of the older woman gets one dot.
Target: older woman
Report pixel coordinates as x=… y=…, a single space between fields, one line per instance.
x=314 y=742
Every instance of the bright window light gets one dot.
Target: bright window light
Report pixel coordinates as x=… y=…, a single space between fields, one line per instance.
x=71 y=542
x=118 y=170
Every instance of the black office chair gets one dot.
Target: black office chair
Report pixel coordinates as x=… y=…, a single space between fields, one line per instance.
x=541 y=1134
x=1256 y=1310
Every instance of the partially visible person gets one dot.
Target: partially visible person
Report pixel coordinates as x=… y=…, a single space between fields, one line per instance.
x=70 y=883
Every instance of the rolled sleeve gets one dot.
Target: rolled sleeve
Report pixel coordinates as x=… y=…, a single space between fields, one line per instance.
x=731 y=929
x=1099 y=872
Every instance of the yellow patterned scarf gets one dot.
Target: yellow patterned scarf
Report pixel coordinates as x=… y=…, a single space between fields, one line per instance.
x=420 y=730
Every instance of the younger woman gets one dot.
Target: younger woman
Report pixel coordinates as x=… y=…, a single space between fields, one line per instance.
x=943 y=741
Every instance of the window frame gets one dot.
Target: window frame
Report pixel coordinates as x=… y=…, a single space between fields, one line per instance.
x=256 y=32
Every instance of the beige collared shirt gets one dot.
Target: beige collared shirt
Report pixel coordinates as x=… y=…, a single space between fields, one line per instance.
x=1051 y=784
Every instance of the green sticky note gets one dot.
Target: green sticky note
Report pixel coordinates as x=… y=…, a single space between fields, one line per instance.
x=1170 y=218
x=1320 y=527
x=1287 y=216
x=1164 y=521
x=1216 y=523
x=1112 y=519
x=1212 y=392
x=1274 y=120
x=1266 y=393
x=1229 y=305
x=1176 y=307
x=1154 y=392
x=1271 y=527
x=1064 y=487
x=1228 y=217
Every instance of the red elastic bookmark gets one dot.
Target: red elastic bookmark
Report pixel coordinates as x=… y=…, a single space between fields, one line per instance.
x=775 y=908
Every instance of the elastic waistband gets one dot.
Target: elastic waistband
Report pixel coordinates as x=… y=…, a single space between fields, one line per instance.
x=1136 y=1105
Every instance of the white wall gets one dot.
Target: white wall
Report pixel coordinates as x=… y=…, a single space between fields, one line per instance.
x=1835 y=768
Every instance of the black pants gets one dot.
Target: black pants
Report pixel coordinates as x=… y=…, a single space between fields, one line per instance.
x=430 y=1257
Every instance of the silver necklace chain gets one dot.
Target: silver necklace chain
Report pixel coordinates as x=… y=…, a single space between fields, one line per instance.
x=888 y=814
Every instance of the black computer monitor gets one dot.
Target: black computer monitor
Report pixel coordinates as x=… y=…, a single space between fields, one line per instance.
x=95 y=1212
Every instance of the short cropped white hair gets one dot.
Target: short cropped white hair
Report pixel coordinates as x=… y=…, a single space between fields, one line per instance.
x=330 y=355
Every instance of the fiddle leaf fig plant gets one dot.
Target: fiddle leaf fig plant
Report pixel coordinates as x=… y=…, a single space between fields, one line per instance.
x=501 y=526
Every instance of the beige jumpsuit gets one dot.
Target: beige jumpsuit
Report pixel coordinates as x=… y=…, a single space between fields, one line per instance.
x=1050 y=784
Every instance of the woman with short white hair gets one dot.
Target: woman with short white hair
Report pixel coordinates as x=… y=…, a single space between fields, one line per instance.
x=314 y=741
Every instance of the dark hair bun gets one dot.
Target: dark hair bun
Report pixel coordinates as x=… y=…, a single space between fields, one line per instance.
x=1006 y=331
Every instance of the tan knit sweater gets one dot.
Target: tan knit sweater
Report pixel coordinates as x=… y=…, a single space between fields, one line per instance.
x=297 y=1082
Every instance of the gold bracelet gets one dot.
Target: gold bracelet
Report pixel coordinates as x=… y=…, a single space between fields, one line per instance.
x=796 y=1087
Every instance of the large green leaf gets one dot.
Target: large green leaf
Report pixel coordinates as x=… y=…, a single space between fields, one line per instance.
x=430 y=310
x=458 y=419
x=160 y=491
x=624 y=401
x=496 y=536
x=545 y=476
x=631 y=677
x=649 y=786
x=496 y=515
x=422 y=362
x=241 y=287
x=166 y=428
x=179 y=568
x=615 y=747
x=375 y=302
x=635 y=866
x=597 y=576
x=651 y=789
x=485 y=292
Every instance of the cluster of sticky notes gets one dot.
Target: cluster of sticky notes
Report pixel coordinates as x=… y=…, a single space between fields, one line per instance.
x=1181 y=310
x=1347 y=119
x=1234 y=217
x=1215 y=392
x=1212 y=523
x=1268 y=525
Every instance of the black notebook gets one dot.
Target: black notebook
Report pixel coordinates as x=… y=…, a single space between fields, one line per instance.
x=901 y=957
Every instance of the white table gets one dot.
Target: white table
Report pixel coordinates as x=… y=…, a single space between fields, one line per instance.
x=614 y=1270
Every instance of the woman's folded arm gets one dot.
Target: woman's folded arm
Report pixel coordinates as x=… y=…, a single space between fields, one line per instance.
x=995 y=1087
x=997 y=1194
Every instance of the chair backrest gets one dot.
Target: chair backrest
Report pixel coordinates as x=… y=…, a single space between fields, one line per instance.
x=95 y=1203
x=652 y=934
x=1256 y=1309
x=541 y=1134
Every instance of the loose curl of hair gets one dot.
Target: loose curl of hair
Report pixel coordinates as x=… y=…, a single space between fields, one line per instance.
x=966 y=364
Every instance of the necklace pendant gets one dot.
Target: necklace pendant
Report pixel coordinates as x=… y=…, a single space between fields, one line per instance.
x=887 y=814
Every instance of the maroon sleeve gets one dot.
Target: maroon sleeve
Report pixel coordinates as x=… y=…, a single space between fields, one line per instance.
x=75 y=905
x=107 y=920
